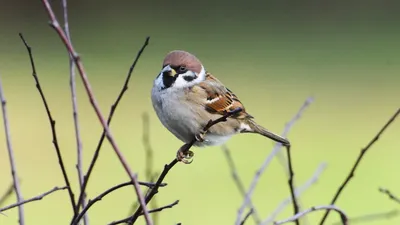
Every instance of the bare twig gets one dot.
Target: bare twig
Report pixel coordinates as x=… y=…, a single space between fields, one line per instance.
x=342 y=214
x=159 y=209
x=54 y=23
x=150 y=211
x=298 y=192
x=168 y=167
x=291 y=185
x=136 y=204
x=247 y=216
x=149 y=174
x=7 y=194
x=110 y=116
x=268 y=160
x=72 y=84
x=390 y=194
x=147 y=147
x=108 y=191
x=285 y=165
x=36 y=198
x=372 y=217
x=52 y=125
x=239 y=183
x=360 y=156
x=16 y=185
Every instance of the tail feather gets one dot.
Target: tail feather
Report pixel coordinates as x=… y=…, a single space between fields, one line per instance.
x=255 y=128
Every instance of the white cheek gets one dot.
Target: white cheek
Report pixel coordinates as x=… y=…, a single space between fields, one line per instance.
x=182 y=83
x=202 y=75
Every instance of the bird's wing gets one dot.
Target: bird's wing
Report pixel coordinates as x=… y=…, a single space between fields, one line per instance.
x=221 y=100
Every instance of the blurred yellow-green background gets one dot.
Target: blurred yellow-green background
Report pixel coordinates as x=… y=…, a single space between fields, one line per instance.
x=272 y=54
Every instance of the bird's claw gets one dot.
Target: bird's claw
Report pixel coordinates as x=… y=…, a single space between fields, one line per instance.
x=200 y=136
x=185 y=156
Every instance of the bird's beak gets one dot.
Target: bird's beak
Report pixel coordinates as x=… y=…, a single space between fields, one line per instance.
x=168 y=71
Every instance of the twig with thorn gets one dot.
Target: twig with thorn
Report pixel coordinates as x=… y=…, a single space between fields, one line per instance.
x=268 y=160
x=14 y=173
x=390 y=194
x=7 y=194
x=36 y=198
x=78 y=62
x=360 y=156
x=239 y=183
x=185 y=148
x=159 y=209
x=52 y=125
x=343 y=216
x=110 y=116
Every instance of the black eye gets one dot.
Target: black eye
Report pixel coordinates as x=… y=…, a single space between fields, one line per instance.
x=182 y=69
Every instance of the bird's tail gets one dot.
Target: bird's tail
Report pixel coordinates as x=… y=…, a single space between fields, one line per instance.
x=255 y=128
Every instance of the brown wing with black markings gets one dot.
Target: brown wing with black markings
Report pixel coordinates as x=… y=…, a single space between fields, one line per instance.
x=220 y=99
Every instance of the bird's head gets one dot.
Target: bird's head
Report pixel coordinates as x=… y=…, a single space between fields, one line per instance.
x=180 y=69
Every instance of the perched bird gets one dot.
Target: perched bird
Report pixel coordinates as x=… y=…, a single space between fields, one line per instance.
x=185 y=97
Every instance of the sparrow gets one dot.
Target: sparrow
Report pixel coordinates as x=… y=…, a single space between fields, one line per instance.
x=185 y=97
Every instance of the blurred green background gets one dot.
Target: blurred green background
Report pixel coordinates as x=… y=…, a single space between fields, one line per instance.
x=272 y=54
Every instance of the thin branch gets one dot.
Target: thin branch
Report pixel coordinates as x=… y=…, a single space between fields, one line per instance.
x=7 y=194
x=36 y=198
x=372 y=217
x=52 y=125
x=184 y=148
x=360 y=156
x=390 y=194
x=72 y=84
x=17 y=187
x=268 y=160
x=110 y=116
x=147 y=147
x=136 y=204
x=150 y=211
x=239 y=183
x=108 y=191
x=291 y=185
x=159 y=209
x=149 y=159
x=247 y=216
x=54 y=23
x=343 y=216
x=298 y=192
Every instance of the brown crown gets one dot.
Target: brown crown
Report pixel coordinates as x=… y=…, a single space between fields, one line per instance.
x=183 y=58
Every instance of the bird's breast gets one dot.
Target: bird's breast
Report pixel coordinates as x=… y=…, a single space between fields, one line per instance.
x=177 y=114
x=185 y=116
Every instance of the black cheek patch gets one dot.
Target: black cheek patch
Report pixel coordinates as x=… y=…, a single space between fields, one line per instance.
x=168 y=80
x=188 y=78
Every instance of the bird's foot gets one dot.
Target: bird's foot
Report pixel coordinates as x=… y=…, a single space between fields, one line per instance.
x=184 y=155
x=200 y=136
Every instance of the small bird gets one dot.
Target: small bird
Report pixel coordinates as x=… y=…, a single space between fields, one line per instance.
x=185 y=97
